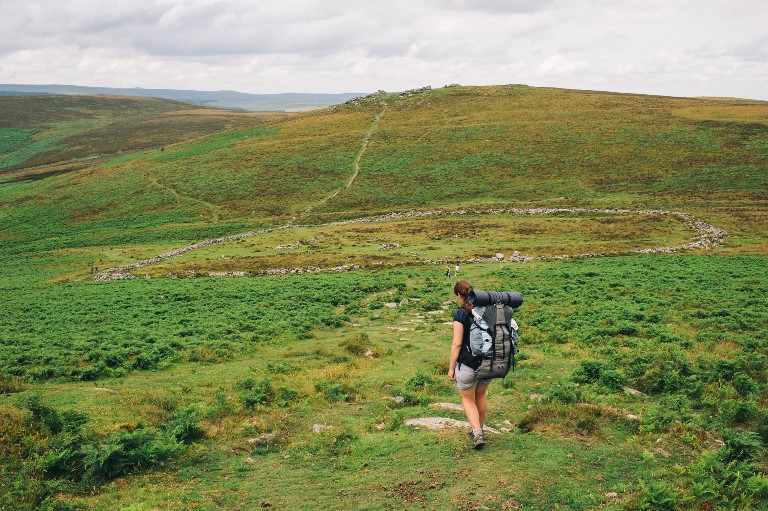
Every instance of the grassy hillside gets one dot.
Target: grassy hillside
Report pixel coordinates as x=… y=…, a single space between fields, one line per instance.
x=642 y=377
x=44 y=130
x=447 y=148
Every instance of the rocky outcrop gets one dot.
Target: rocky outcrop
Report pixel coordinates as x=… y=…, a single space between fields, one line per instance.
x=413 y=92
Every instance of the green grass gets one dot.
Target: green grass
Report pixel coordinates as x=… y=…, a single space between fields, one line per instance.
x=634 y=314
x=152 y=391
x=522 y=146
x=451 y=238
x=37 y=131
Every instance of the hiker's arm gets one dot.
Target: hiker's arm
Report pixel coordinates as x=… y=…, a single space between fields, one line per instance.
x=458 y=335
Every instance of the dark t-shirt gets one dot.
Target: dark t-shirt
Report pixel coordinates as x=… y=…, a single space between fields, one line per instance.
x=465 y=318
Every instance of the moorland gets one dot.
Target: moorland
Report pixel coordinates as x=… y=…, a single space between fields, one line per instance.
x=299 y=317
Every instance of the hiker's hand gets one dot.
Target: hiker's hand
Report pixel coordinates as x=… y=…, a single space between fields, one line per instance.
x=450 y=375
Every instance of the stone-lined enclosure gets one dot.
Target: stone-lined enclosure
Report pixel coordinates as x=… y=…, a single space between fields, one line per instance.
x=706 y=236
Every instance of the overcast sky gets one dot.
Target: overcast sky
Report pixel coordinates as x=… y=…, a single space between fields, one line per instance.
x=669 y=47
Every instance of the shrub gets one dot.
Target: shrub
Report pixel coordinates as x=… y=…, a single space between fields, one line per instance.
x=745 y=385
x=557 y=335
x=718 y=481
x=414 y=399
x=566 y=393
x=612 y=379
x=52 y=451
x=376 y=304
x=283 y=368
x=358 y=345
x=420 y=380
x=588 y=371
x=10 y=384
x=286 y=395
x=741 y=445
x=43 y=417
x=126 y=452
x=184 y=425
x=257 y=392
x=734 y=411
x=670 y=410
x=658 y=496
x=333 y=391
x=667 y=374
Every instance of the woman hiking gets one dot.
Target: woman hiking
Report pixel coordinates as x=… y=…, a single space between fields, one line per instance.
x=472 y=390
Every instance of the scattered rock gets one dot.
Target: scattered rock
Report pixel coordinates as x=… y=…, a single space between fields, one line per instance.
x=390 y=305
x=536 y=397
x=263 y=439
x=516 y=257
x=633 y=392
x=288 y=247
x=445 y=423
x=317 y=428
x=707 y=236
x=447 y=406
x=397 y=399
x=611 y=495
x=357 y=101
x=412 y=92
x=228 y=274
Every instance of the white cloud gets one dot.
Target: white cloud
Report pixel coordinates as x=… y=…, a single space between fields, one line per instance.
x=556 y=64
x=676 y=47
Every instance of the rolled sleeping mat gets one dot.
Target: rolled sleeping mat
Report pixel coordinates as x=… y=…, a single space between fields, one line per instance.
x=480 y=298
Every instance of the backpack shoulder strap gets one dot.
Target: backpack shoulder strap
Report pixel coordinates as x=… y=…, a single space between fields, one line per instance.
x=490 y=315
x=507 y=314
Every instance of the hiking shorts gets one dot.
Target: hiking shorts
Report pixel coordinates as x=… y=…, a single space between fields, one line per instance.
x=466 y=377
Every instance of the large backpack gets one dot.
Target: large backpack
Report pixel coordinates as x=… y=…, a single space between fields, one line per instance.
x=492 y=341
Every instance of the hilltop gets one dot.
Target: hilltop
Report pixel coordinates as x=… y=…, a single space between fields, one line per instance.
x=457 y=147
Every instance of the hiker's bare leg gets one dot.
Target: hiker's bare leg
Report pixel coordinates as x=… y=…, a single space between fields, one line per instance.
x=470 y=407
x=481 y=401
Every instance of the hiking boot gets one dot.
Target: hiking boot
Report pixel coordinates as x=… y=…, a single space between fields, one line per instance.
x=478 y=440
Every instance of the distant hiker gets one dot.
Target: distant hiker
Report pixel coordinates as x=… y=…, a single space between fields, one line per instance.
x=448 y=272
x=472 y=390
x=456 y=270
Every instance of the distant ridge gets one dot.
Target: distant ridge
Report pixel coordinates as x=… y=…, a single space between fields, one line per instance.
x=287 y=102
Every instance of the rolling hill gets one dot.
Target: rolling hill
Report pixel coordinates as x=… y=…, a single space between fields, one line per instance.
x=448 y=148
x=299 y=318
x=285 y=102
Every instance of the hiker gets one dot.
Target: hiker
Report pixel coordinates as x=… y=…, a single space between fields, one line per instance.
x=472 y=390
x=447 y=271
x=456 y=270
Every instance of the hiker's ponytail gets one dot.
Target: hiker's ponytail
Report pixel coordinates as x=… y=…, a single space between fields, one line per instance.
x=464 y=288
